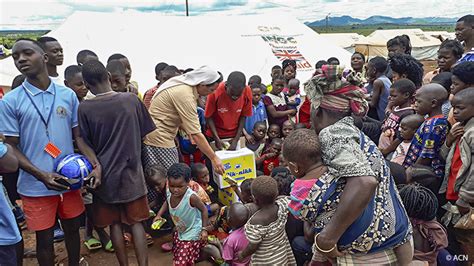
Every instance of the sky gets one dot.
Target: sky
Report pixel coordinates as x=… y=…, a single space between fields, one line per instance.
x=48 y=14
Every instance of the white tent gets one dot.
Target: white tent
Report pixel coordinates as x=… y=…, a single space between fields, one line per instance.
x=348 y=41
x=424 y=46
x=251 y=44
x=443 y=34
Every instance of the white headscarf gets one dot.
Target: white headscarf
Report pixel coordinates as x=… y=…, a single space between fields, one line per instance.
x=202 y=75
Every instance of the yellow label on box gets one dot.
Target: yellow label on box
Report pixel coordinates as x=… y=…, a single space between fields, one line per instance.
x=239 y=166
x=227 y=196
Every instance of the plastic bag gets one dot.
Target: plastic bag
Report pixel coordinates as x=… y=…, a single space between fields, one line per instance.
x=467 y=221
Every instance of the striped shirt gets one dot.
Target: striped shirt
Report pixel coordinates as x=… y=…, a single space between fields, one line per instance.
x=274 y=247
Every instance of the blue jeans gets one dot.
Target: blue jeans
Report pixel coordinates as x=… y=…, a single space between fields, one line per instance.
x=302 y=250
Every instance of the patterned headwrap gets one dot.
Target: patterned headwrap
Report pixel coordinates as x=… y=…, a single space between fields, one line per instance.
x=329 y=91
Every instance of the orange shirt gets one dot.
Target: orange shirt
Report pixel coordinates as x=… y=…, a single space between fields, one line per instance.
x=225 y=112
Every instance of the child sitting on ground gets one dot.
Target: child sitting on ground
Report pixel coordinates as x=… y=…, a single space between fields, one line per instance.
x=200 y=185
x=258 y=136
x=270 y=158
x=428 y=139
x=188 y=213
x=237 y=217
x=265 y=230
x=401 y=98
x=408 y=126
x=428 y=235
x=286 y=129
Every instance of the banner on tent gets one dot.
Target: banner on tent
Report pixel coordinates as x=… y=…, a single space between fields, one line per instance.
x=283 y=46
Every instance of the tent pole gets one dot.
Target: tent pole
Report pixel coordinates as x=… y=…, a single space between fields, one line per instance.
x=187 y=9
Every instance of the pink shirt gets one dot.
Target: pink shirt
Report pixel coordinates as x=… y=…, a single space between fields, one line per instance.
x=233 y=244
x=401 y=152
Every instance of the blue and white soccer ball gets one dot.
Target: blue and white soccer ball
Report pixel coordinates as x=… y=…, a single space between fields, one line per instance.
x=74 y=166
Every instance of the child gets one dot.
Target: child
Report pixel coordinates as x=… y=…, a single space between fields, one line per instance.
x=287 y=128
x=237 y=217
x=117 y=72
x=244 y=193
x=462 y=78
x=444 y=79
x=378 y=87
x=428 y=139
x=255 y=80
x=401 y=98
x=302 y=150
x=276 y=71
x=73 y=80
x=270 y=158
x=408 y=126
x=274 y=131
x=189 y=214
x=187 y=147
x=458 y=151
x=405 y=66
x=200 y=185
x=121 y=197
x=277 y=109
x=258 y=136
x=156 y=184
x=292 y=95
x=265 y=230
x=132 y=86
x=429 y=236
x=259 y=113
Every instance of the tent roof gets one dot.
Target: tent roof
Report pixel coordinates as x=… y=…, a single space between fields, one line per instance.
x=418 y=38
x=227 y=43
x=345 y=40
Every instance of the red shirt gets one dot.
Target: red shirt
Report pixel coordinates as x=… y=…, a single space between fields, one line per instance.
x=225 y=112
x=305 y=113
x=456 y=164
x=149 y=96
x=270 y=164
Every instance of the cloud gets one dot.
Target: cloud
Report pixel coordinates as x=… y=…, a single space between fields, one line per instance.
x=41 y=14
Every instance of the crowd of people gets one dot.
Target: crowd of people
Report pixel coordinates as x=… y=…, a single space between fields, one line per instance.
x=369 y=165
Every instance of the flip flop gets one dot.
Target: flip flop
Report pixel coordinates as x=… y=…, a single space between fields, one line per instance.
x=149 y=239
x=127 y=237
x=109 y=247
x=93 y=244
x=167 y=247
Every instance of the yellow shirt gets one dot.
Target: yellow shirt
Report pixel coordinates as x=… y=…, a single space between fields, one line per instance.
x=172 y=109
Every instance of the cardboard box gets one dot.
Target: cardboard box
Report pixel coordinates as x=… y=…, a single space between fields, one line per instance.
x=239 y=165
x=227 y=196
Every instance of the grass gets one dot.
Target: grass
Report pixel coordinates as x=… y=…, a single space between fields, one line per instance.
x=368 y=29
x=7 y=38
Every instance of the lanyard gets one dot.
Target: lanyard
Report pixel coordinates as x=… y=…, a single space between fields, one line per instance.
x=45 y=122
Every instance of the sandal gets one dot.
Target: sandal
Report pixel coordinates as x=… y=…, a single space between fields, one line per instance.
x=93 y=244
x=109 y=247
x=127 y=237
x=167 y=247
x=149 y=239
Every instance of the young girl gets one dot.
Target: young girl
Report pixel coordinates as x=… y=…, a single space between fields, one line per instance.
x=277 y=109
x=292 y=96
x=200 y=185
x=286 y=129
x=429 y=236
x=269 y=158
x=189 y=214
x=265 y=230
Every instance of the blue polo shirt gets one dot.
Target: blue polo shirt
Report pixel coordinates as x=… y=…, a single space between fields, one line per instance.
x=259 y=113
x=9 y=233
x=19 y=118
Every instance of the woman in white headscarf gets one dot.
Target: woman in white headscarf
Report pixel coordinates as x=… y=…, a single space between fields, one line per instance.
x=173 y=107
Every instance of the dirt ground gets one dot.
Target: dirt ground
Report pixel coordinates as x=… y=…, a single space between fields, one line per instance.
x=100 y=257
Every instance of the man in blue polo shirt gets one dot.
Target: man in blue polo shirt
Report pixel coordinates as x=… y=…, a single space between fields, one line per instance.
x=39 y=121
x=9 y=235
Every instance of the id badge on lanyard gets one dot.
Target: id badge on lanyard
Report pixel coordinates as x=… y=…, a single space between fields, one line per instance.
x=50 y=148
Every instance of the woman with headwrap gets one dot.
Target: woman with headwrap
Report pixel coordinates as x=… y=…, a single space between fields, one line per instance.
x=174 y=106
x=355 y=209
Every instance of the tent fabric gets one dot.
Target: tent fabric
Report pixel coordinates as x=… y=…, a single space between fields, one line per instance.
x=347 y=41
x=252 y=44
x=424 y=46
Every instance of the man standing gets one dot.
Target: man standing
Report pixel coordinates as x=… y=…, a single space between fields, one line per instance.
x=227 y=109
x=465 y=34
x=54 y=50
x=39 y=121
